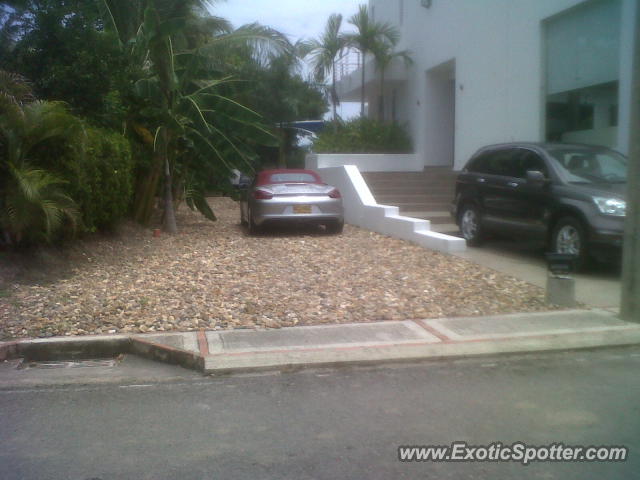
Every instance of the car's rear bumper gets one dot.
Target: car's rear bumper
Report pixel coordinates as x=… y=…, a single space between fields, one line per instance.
x=287 y=219
x=297 y=210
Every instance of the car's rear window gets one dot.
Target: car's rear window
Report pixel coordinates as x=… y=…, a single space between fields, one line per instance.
x=292 y=178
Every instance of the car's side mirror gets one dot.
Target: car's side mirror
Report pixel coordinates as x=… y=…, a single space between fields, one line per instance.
x=536 y=178
x=244 y=182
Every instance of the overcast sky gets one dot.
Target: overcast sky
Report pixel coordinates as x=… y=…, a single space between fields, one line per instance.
x=296 y=18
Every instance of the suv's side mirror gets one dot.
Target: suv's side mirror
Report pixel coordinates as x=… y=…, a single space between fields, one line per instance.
x=536 y=178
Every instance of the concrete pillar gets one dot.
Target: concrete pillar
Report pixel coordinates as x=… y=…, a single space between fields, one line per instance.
x=561 y=291
x=628 y=35
x=630 y=303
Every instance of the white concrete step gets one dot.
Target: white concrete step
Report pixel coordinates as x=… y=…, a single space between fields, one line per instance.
x=433 y=217
x=427 y=214
x=449 y=228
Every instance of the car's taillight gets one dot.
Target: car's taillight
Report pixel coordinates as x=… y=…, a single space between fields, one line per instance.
x=262 y=195
x=335 y=193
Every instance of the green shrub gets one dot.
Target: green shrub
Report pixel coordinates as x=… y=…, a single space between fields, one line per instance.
x=33 y=204
x=101 y=179
x=363 y=135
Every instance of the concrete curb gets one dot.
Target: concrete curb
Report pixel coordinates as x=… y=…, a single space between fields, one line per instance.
x=334 y=357
x=99 y=346
x=433 y=339
x=65 y=347
x=166 y=354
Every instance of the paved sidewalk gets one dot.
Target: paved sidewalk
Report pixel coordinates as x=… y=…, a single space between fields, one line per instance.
x=600 y=287
x=218 y=352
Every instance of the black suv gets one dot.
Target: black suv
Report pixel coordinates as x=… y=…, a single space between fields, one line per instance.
x=571 y=197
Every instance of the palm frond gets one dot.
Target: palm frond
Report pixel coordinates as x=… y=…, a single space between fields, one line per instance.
x=34 y=203
x=263 y=43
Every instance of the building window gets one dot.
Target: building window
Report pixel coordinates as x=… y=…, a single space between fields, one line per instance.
x=582 y=56
x=577 y=114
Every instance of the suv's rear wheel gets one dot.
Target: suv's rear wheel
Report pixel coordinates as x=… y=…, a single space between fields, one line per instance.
x=569 y=237
x=470 y=224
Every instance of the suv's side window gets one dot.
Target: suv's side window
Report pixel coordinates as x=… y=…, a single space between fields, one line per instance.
x=502 y=163
x=494 y=162
x=527 y=160
x=479 y=164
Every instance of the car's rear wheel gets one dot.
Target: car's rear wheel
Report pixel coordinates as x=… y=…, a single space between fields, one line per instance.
x=471 y=224
x=243 y=222
x=335 y=227
x=253 y=228
x=569 y=237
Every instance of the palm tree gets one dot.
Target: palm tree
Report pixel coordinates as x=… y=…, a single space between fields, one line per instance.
x=324 y=52
x=369 y=35
x=384 y=54
x=10 y=29
x=160 y=36
x=32 y=204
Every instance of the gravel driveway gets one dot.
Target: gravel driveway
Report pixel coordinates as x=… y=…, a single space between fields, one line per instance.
x=212 y=275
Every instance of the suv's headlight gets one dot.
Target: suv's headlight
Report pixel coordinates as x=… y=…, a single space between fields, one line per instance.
x=611 y=206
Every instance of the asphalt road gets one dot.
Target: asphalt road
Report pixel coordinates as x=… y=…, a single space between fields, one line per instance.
x=324 y=424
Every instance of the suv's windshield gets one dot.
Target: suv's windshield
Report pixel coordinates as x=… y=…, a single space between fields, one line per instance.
x=591 y=166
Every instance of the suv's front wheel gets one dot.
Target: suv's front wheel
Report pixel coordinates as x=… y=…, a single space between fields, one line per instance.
x=569 y=237
x=470 y=224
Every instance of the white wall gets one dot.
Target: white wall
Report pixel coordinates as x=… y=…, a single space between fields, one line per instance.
x=366 y=162
x=361 y=209
x=497 y=46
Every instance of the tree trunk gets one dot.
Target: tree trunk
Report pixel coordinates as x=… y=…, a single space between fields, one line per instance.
x=169 y=222
x=362 y=89
x=381 y=97
x=334 y=94
x=146 y=192
x=630 y=302
x=282 y=152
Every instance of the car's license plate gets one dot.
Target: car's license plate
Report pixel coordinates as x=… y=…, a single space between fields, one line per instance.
x=302 y=209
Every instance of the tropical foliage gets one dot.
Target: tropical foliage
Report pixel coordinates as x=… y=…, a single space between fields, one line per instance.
x=384 y=53
x=369 y=37
x=193 y=118
x=62 y=47
x=100 y=179
x=165 y=98
x=280 y=94
x=323 y=54
x=363 y=135
x=33 y=204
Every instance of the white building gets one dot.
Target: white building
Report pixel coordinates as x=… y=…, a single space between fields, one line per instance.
x=491 y=71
